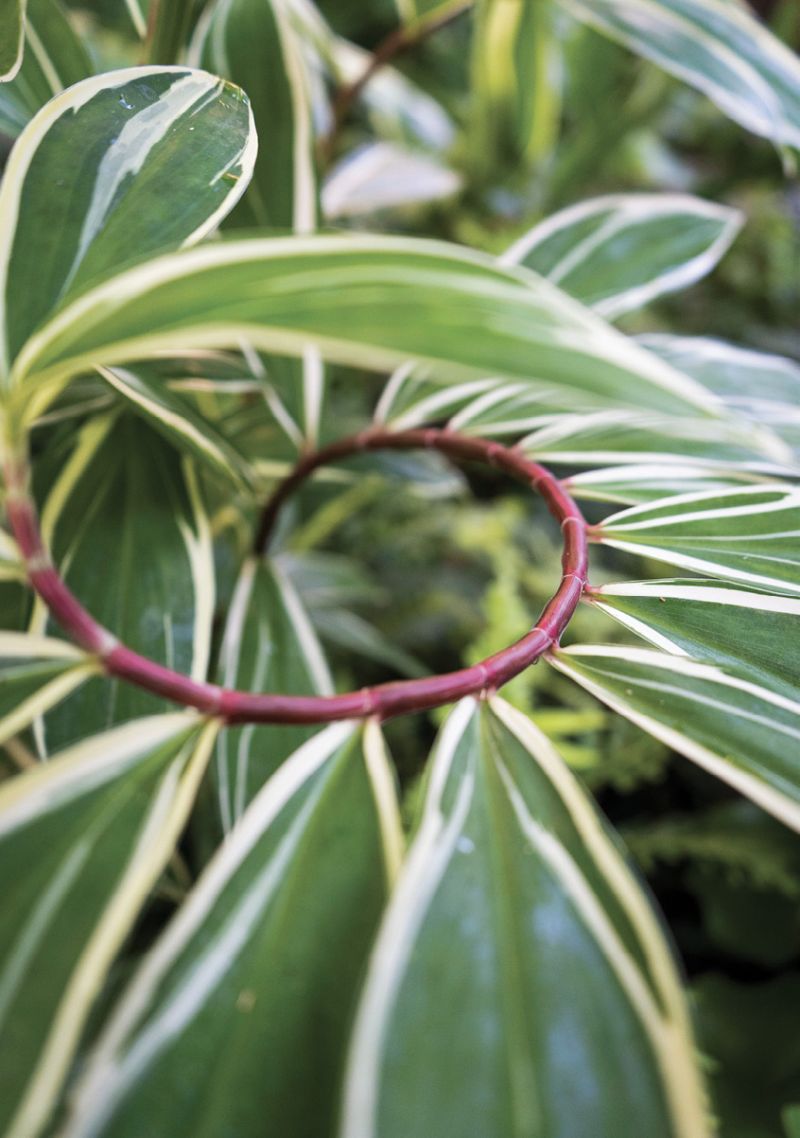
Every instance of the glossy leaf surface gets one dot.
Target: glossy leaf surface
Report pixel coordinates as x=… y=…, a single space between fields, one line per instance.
x=618 y=253
x=519 y=984
x=738 y=731
x=252 y=985
x=751 y=633
x=110 y=146
x=269 y=645
x=83 y=839
x=750 y=535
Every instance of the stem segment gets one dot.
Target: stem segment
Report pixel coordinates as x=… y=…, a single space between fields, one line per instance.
x=383 y=701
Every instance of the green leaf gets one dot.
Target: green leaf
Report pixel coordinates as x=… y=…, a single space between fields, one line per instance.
x=36 y=673
x=252 y=43
x=170 y=23
x=12 y=28
x=519 y=985
x=83 y=840
x=268 y=645
x=121 y=201
x=738 y=731
x=748 y=535
x=716 y=46
x=127 y=527
x=516 y=84
x=759 y=386
x=649 y=482
x=752 y=633
x=619 y=437
x=368 y=301
x=791 y=1121
x=173 y=416
x=252 y=986
x=54 y=58
x=749 y=1032
x=617 y=253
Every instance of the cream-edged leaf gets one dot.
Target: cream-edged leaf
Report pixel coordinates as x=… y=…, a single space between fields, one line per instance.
x=83 y=839
x=12 y=32
x=716 y=46
x=620 y=437
x=253 y=43
x=368 y=301
x=619 y=252
x=750 y=535
x=648 y=482
x=172 y=414
x=263 y=960
x=54 y=58
x=110 y=147
x=269 y=645
x=127 y=526
x=37 y=672
x=737 y=730
x=759 y=386
x=754 y=634
x=519 y=984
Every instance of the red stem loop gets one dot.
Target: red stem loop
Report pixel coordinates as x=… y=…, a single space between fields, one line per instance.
x=384 y=700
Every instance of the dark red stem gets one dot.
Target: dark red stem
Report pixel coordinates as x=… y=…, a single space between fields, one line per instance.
x=383 y=701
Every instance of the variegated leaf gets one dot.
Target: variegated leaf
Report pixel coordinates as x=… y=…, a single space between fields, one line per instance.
x=173 y=415
x=617 y=253
x=127 y=527
x=36 y=672
x=12 y=29
x=147 y=122
x=620 y=437
x=750 y=534
x=83 y=840
x=738 y=731
x=268 y=645
x=261 y=965
x=254 y=44
x=54 y=58
x=716 y=46
x=519 y=985
x=516 y=83
x=649 y=482
x=753 y=634
x=759 y=386
x=369 y=301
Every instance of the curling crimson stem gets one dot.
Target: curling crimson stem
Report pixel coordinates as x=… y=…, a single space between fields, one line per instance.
x=382 y=701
